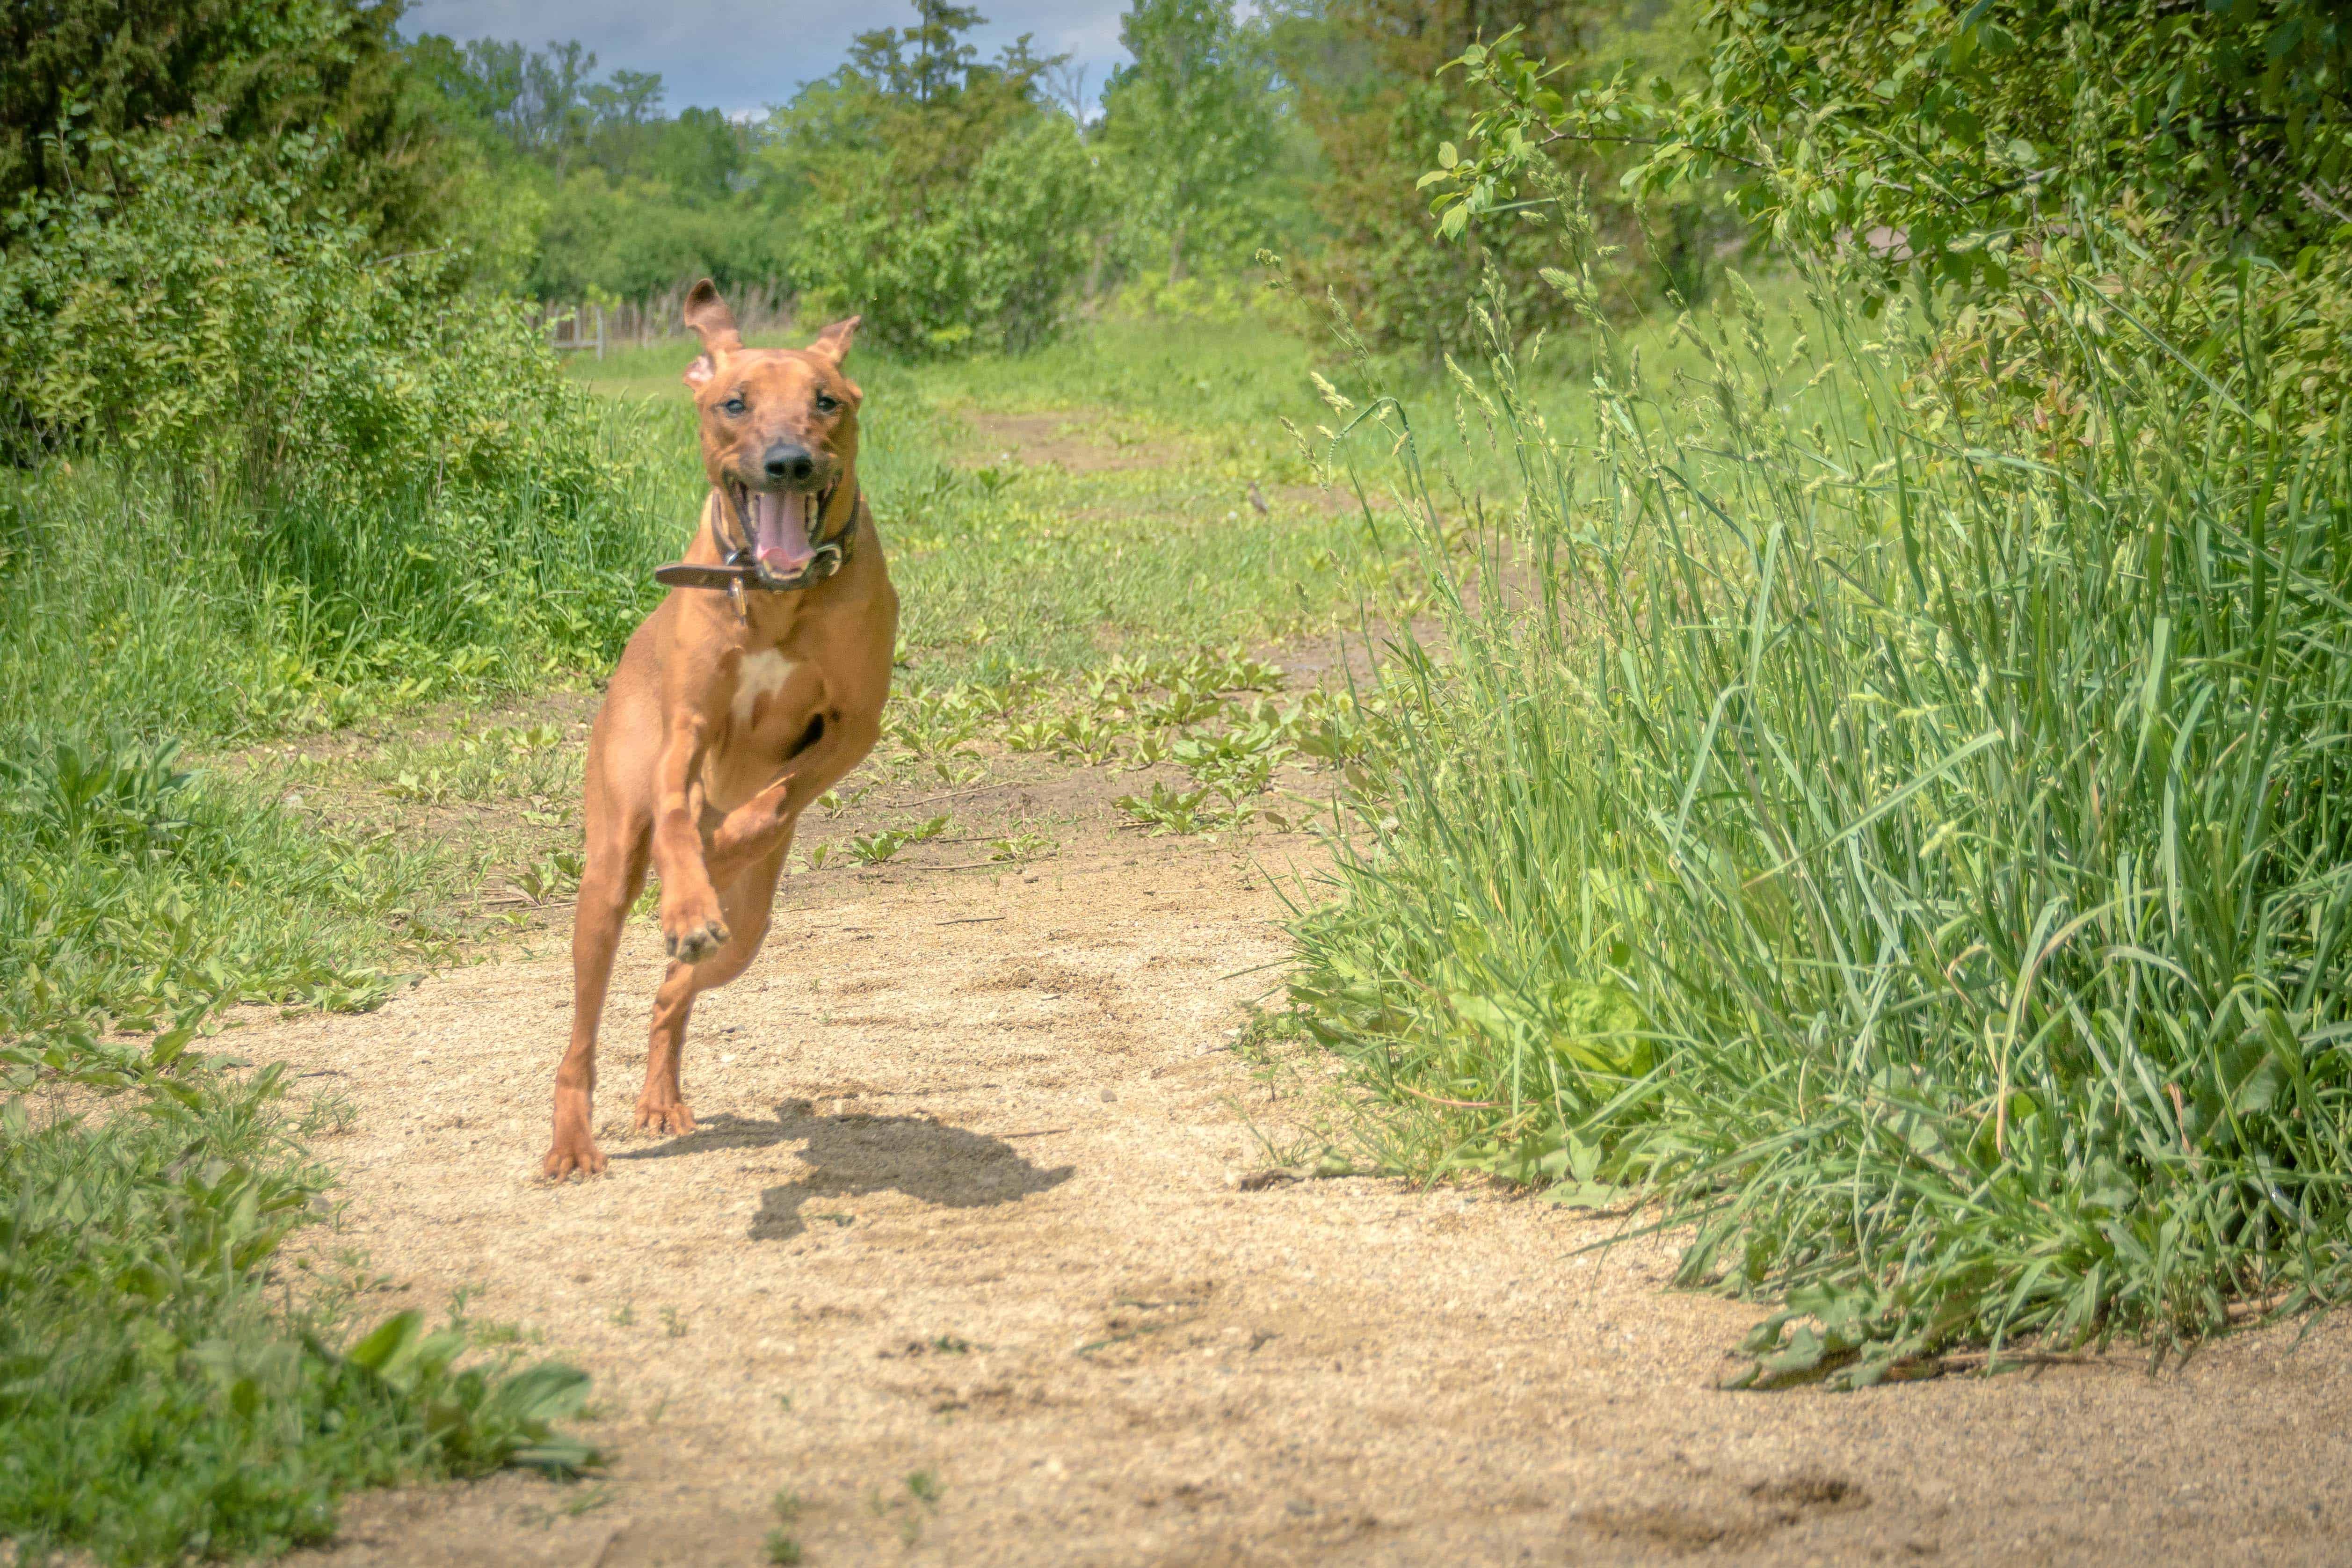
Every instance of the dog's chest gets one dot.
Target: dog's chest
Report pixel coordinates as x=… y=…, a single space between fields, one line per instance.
x=777 y=690
x=759 y=683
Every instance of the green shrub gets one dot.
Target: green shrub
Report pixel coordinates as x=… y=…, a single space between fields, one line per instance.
x=990 y=267
x=268 y=484
x=265 y=69
x=160 y=1398
x=1957 y=144
x=1909 y=844
x=183 y=307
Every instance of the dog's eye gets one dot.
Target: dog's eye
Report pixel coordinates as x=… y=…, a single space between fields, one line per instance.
x=735 y=405
x=827 y=403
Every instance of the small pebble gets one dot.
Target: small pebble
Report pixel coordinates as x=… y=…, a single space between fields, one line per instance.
x=1108 y=1096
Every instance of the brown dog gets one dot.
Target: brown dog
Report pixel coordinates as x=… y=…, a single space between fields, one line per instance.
x=740 y=699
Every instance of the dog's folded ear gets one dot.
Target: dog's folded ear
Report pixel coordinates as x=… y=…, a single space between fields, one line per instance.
x=714 y=323
x=834 y=341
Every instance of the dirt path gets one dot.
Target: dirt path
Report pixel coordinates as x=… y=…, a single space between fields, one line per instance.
x=959 y=1258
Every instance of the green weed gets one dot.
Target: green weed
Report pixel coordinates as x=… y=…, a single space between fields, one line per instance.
x=165 y=1398
x=874 y=849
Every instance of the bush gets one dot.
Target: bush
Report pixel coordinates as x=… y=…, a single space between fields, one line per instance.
x=181 y=307
x=991 y=267
x=158 y=1398
x=403 y=454
x=264 y=70
x=270 y=484
x=1901 y=835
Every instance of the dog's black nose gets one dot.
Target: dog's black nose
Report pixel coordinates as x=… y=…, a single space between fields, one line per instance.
x=790 y=464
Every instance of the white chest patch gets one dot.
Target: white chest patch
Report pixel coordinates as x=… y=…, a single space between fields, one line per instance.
x=763 y=674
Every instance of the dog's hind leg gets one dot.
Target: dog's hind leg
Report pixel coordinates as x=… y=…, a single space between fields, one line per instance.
x=609 y=884
x=745 y=900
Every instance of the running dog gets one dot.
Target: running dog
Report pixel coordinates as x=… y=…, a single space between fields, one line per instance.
x=755 y=684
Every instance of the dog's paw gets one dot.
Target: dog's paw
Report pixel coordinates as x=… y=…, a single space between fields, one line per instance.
x=693 y=940
x=664 y=1116
x=573 y=1157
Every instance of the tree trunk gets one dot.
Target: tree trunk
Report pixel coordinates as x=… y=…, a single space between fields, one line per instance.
x=1176 y=253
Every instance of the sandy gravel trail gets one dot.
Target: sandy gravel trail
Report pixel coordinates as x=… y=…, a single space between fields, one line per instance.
x=957 y=1258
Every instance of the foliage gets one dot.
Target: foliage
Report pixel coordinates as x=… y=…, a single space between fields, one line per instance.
x=573 y=187
x=1190 y=124
x=184 y=314
x=933 y=195
x=1370 y=88
x=1903 y=839
x=184 y=306
x=1964 y=140
x=162 y=1400
x=637 y=239
x=327 y=71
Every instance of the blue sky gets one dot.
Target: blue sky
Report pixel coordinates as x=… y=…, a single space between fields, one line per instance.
x=741 y=55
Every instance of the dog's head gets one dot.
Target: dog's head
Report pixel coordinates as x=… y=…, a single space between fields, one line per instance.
x=778 y=427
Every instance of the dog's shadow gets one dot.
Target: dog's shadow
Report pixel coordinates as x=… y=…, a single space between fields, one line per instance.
x=853 y=1155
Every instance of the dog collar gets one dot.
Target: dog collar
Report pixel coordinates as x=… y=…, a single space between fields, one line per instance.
x=742 y=570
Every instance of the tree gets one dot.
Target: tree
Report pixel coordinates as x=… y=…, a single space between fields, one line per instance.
x=628 y=97
x=944 y=200
x=921 y=64
x=699 y=155
x=553 y=114
x=472 y=86
x=1958 y=141
x=1367 y=86
x=259 y=68
x=1193 y=119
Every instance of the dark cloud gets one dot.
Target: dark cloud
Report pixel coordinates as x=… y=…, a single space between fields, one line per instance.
x=741 y=55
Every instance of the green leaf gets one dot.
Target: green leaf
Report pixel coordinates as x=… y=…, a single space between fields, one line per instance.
x=384 y=1343
x=1574 y=1194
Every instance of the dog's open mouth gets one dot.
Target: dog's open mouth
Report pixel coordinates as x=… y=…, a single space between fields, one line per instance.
x=782 y=526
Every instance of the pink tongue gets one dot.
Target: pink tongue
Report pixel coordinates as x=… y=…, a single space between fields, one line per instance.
x=780 y=533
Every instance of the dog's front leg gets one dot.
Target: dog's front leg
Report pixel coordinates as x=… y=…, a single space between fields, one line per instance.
x=755 y=828
x=692 y=926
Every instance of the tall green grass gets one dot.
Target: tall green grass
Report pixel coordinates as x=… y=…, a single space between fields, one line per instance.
x=1909 y=844
x=140 y=630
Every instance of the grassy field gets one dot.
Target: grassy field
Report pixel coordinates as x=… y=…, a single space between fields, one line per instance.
x=1139 y=540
